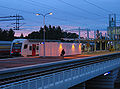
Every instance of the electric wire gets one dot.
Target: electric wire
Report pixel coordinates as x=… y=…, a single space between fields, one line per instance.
x=80 y=8
x=54 y=9
x=29 y=12
x=17 y=9
x=97 y=6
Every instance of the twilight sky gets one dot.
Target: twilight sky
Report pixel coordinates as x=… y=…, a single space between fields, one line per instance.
x=69 y=14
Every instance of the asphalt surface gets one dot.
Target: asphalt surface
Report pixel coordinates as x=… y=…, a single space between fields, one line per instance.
x=25 y=61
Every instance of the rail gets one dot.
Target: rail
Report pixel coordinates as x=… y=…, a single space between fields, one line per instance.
x=8 y=76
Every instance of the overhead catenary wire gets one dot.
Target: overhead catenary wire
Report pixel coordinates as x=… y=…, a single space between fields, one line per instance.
x=33 y=3
x=17 y=9
x=20 y=10
x=91 y=3
x=29 y=12
x=61 y=19
x=36 y=3
x=97 y=6
x=80 y=8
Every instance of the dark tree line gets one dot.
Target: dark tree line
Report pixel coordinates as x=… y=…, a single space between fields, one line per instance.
x=6 y=35
x=51 y=33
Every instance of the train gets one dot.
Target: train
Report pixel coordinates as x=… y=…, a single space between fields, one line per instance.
x=5 y=47
x=35 y=47
x=25 y=47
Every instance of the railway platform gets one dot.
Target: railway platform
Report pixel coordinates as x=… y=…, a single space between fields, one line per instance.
x=27 y=61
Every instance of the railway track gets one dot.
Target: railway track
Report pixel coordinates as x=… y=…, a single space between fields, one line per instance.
x=57 y=67
x=5 y=56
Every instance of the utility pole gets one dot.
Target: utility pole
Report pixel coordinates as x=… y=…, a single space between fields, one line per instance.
x=16 y=17
x=88 y=33
x=94 y=34
x=17 y=22
x=79 y=33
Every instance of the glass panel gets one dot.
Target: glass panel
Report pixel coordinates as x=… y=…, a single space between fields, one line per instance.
x=17 y=45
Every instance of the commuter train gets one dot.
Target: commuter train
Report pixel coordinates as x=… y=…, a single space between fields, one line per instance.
x=24 y=47
x=5 y=47
x=34 y=47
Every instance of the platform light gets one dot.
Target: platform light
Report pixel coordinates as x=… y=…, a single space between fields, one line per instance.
x=60 y=46
x=79 y=45
x=50 y=13
x=73 y=46
x=37 y=14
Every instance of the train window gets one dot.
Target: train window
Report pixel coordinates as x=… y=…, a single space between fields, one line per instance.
x=30 y=47
x=33 y=48
x=37 y=47
x=25 y=46
x=17 y=45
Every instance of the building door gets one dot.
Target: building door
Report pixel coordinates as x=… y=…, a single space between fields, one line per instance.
x=33 y=49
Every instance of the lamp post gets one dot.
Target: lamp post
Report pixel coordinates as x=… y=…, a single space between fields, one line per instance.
x=44 y=15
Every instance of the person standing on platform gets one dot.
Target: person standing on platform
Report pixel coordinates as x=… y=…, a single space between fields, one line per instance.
x=62 y=52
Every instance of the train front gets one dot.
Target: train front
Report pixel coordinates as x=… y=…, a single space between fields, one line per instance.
x=16 y=49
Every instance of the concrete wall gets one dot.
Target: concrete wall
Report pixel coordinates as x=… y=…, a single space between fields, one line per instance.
x=55 y=48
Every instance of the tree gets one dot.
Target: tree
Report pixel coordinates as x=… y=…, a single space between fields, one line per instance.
x=34 y=35
x=51 y=33
x=6 y=35
x=21 y=36
x=11 y=34
x=0 y=34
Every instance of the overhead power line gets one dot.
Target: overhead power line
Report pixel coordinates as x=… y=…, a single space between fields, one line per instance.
x=97 y=6
x=35 y=3
x=38 y=4
x=65 y=20
x=12 y=18
x=17 y=9
x=80 y=8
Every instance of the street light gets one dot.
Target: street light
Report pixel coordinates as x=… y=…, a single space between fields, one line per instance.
x=44 y=25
